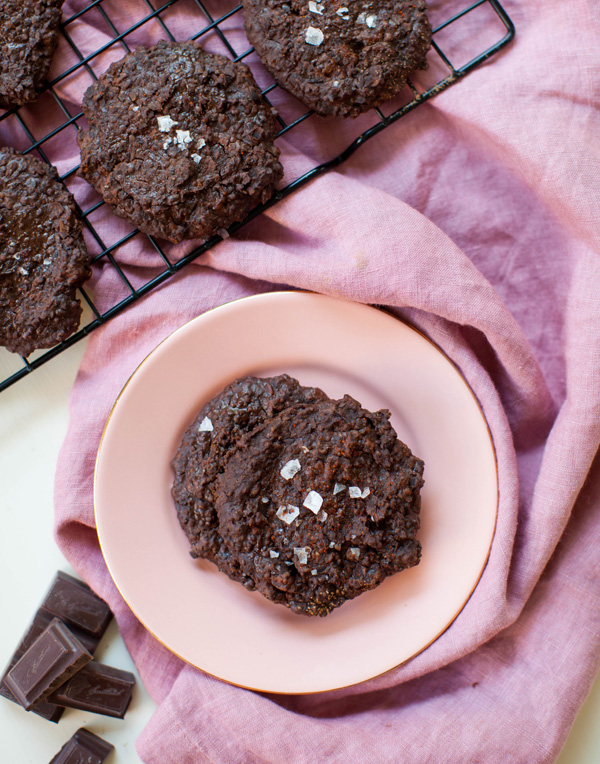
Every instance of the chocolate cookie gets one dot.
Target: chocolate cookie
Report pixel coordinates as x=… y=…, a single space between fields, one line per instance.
x=241 y=407
x=43 y=258
x=340 y=58
x=314 y=503
x=28 y=39
x=180 y=141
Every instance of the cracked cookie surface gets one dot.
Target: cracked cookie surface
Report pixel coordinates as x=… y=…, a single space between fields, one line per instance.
x=236 y=411
x=43 y=257
x=308 y=500
x=180 y=141
x=28 y=39
x=340 y=58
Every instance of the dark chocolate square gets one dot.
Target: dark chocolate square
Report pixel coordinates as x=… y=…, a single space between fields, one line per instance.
x=97 y=688
x=76 y=604
x=52 y=659
x=83 y=748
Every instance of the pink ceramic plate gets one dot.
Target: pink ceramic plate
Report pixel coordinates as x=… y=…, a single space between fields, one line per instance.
x=343 y=347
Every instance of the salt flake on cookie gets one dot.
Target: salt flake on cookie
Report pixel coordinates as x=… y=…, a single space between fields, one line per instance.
x=314 y=36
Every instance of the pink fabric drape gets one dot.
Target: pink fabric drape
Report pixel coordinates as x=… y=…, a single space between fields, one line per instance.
x=475 y=217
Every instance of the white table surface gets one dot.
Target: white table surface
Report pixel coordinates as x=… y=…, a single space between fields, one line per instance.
x=33 y=422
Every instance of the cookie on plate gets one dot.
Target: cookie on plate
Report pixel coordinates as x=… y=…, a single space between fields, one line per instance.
x=28 y=39
x=236 y=411
x=311 y=501
x=180 y=141
x=43 y=258
x=340 y=58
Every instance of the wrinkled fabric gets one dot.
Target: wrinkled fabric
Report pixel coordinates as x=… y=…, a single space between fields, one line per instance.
x=476 y=219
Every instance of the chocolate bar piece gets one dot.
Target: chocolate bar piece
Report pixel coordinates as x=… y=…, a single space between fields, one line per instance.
x=36 y=627
x=97 y=688
x=43 y=708
x=73 y=602
x=76 y=604
x=42 y=619
x=84 y=746
x=52 y=659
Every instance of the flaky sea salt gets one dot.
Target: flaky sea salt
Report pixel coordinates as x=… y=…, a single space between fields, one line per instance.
x=135 y=108
x=338 y=488
x=354 y=553
x=290 y=469
x=288 y=513
x=313 y=501
x=182 y=138
x=200 y=143
x=343 y=13
x=273 y=553
x=165 y=123
x=322 y=516
x=313 y=572
x=315 y=7
x=205 y=425
x=314 y=36
x=371 y=21
x=354 y=492
x=24 y=271
x=197 y=158
x=167 y=142
x=302 y=554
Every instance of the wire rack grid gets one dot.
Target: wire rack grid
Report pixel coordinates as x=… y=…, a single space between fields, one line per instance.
x=460 y=44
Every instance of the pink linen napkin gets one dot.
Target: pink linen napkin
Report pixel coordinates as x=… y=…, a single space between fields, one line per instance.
x=475 y=218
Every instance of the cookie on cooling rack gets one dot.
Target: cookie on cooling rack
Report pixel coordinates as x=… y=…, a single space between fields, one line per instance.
x=340 y=58
x=43 y=258
x=28 y=39
x=180 y=141
x=308 y=500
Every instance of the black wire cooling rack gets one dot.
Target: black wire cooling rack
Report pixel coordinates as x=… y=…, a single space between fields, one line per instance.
x=461 y=41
